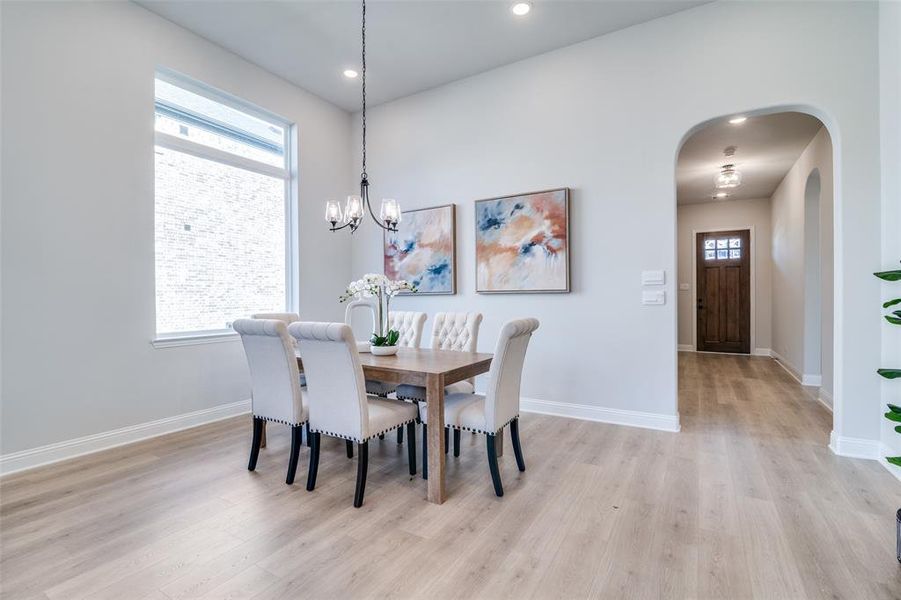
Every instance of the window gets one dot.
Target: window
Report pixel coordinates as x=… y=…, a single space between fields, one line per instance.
x=722 y=249
x=223 y=207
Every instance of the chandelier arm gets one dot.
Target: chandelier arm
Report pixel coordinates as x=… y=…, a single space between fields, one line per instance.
x=364 y=193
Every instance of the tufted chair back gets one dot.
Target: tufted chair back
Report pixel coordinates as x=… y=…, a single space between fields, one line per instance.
x=409 y=324
x=335 y=387
x=456 y=331
x=502 y=397
x=285 y=317
x=274 y=377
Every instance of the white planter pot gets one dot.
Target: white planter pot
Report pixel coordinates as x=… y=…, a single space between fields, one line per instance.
x=383 y=350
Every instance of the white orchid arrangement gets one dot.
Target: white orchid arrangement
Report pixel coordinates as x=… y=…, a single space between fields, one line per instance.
x=375 y=285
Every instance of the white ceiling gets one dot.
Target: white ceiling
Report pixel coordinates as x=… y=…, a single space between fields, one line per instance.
x=411 y=45
x=766 y=148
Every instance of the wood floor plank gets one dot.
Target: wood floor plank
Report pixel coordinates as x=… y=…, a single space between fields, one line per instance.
x=746 y=502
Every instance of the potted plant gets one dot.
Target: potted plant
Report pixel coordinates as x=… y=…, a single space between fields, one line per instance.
x=894 y=412
x=383 y=341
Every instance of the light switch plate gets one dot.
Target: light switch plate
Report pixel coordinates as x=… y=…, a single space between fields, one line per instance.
x=652 y=278
x=653 y=298
x=685 y=287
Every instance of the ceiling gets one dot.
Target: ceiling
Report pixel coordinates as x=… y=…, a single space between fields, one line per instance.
x=766 y=148
x=411 y=45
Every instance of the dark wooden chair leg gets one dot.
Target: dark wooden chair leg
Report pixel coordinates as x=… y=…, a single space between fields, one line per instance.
x=425 y=451
x=307 y=433
x=400 y=435
x=456 y=442
x=411 y=446
x=314 y=461
x=349 y=445
x=362 y=468
x=492 y=464
x=517 y=448
x=446 y=439
x=255 y=443
x=296 y=442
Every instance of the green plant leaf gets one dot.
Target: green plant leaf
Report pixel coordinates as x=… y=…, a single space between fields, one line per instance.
x=893 y=408
x=377 y=340
x=898 y=428
x=889 y=373
x=895 y=460
x=393 y=336
x=892 y=303
x=889 y=275
x=893 y=320
x=893 y=417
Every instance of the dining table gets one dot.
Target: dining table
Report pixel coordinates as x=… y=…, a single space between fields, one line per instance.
x=433 y=370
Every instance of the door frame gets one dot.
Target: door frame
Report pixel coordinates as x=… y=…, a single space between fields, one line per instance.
x=753 y=276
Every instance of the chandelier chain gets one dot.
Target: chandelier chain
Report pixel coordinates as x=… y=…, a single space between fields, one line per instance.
x=364 y=88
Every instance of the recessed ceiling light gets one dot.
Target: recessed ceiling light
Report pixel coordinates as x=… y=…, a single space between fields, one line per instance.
x=521 y=9
x=350 y=73
x=738 y=120
x=721 y=195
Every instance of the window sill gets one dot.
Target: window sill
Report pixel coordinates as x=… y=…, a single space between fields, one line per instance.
x=195 y=340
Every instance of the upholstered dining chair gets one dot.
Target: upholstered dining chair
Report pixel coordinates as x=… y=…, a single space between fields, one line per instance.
x=276 y=393
x=489 y=413
x=450 y=331
x=409 y=325
x=339 y=404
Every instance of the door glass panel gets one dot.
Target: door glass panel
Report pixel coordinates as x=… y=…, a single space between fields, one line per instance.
x=709 y=244
x=709 y=254
x=734 y=253
x=735 y=243
x=721 y=243
x=722 y=254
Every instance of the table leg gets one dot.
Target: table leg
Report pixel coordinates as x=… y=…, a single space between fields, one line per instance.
x=498 y=443
x=263 y=435
x=434 y=397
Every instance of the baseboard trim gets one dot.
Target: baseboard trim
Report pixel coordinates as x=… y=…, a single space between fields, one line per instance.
x=615 y=416
x=855 y=447
x=685 y=348
x=796 y=375
x=825 y=398
x=762 y=352
x=811 y=380
x=51 y=453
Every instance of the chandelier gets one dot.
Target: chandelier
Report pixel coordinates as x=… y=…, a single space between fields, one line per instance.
x=728 y=177
x=357 y=205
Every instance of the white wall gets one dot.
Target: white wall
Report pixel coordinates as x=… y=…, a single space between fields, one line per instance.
x=788 y=205
x=606 y=117
x=77 y=237
x=712 y=216
x=890 y=116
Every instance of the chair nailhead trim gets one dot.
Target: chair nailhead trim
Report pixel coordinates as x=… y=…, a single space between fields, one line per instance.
x=461 y=428
x=280 y=421
x=358 y=440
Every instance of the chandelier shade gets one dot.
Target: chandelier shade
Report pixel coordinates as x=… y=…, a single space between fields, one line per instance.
x=728 y=177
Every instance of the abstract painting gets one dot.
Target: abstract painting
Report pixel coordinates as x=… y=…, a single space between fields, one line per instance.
x=522 y=243
x=423 y=250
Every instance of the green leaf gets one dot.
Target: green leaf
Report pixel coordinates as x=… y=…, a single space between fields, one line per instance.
x=377 y=340
x=893 y=320
x=895 y=460
x=889 y=373
x=393 y=336
x=892 y=303
x=893 y=417
x=893 y=408
x=889 y=275
x=898 y=428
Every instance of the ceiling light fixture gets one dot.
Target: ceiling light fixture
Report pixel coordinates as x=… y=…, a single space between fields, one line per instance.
x=352 y=216
x=721 y=195
x=728 y=177
x=521 y=9
x=738 y=120
x=350 y=73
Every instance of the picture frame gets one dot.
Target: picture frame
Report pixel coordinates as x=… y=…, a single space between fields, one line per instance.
x=424 y=250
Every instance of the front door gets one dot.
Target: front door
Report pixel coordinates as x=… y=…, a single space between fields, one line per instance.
x=724 y=291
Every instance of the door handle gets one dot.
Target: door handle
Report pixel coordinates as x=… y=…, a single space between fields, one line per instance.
x=700 y=304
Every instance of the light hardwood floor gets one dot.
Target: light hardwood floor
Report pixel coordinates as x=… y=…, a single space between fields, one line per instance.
x=747 y=501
